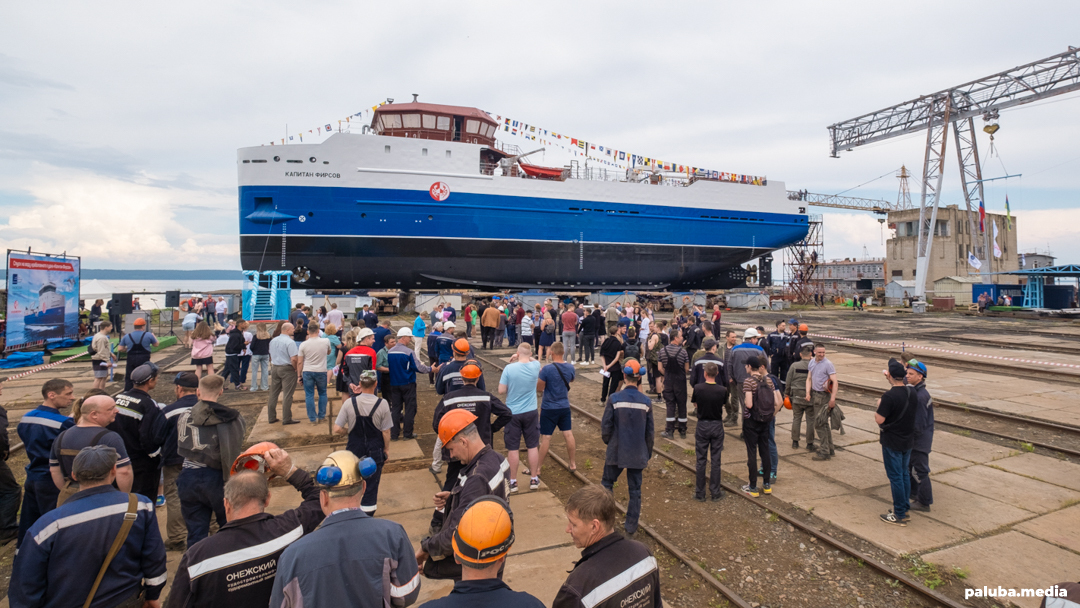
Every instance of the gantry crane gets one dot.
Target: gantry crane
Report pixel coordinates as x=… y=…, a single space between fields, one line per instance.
x=957 y=107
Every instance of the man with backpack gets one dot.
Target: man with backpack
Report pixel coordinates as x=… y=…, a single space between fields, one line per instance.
x=774 y=347
x=138 y=345
x=760 y=397
x=895 y=415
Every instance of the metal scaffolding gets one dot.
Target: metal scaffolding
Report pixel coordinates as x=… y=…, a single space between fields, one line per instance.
x=802 y=260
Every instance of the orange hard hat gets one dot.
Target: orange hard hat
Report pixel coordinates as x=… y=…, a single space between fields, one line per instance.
x=787 y=402
x=804 y=327
x=461 y=346
x=452 y=423
x=471 y=370
x=485 y=532
x=254 y=459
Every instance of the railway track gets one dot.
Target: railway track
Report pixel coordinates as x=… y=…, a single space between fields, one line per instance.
x=813 y=531
x=945 y=361
x=1066 y=438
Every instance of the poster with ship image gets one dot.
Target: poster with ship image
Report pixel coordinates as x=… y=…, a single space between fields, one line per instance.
x=43 y=298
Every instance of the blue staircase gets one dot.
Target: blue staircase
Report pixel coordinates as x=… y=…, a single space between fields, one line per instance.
x=267 y=295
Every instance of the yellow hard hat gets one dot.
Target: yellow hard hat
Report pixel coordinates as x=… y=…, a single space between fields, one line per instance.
x=485 y=532
x=342 y=469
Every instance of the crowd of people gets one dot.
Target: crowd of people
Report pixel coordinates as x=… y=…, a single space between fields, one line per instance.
x=94 y=474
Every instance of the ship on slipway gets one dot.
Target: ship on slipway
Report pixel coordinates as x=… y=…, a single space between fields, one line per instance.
x=427 y=198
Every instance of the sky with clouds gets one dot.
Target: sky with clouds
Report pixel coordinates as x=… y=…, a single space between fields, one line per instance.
x=120 y=121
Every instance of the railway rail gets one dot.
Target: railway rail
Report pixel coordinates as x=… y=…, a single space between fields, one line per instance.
x=1068 y=444
x=805 y=527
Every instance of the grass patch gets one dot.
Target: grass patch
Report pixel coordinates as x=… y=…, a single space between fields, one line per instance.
x=960 y=573
x=1027 y=447
x=929 y=573
x=588 y=464
x=964 y=433
x=774 y=517
x=689 y=453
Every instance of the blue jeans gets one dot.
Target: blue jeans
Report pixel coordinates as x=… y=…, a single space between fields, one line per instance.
x=260 y=369
x=898 y=468
x=202 y=495
x=633 y=481
x=313 y=381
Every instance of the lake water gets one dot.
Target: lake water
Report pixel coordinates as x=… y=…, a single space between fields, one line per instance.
x=151 y=294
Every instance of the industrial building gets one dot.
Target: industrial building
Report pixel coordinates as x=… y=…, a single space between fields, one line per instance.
x=953 y=240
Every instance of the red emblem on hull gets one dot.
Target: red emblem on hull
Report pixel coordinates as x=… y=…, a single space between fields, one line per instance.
x=440 y=191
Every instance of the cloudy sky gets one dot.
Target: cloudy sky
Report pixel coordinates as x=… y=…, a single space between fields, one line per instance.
x=119 y=122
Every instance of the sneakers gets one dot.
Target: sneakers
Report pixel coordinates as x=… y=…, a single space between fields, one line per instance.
x=513 y=486
x=160 y=502
x=890 y=518
x=772 y=478
x=753 y=491
x=534 y=483
x=667 y=435
x=767 y=488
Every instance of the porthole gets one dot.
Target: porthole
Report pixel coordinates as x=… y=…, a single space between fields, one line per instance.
x=277 y=159
x=430 y=217
x=312 y=159
x=363 y=215
x=311 y=214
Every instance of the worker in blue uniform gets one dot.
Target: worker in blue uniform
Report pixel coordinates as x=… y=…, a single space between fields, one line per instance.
x=138 y=345
x=38 y=430
x=68 y=558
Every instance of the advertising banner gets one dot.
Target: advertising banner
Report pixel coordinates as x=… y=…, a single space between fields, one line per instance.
x=43 y=299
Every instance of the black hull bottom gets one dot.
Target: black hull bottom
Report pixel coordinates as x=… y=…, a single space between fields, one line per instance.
x=416 y=263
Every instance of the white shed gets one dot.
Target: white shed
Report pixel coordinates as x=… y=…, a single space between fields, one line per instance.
x=895 y=290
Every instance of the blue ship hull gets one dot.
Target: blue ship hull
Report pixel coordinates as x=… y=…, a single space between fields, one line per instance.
x=403 y=239
x=52 y=317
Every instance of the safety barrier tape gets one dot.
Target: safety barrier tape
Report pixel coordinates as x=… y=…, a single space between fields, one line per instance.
x=906 y=346
x=44 y=367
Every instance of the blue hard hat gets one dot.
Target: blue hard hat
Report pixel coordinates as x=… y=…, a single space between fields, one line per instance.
x=918 y=366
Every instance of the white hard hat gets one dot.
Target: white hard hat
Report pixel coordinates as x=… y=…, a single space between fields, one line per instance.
x=449 y=325
x=750 y=333
x=404 y=331
x=363 y=333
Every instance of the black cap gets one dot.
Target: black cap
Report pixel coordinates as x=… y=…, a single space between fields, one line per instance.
x=708 y=343
x=186 y=380
x=897 y=370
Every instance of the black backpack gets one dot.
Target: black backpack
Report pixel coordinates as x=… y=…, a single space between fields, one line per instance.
x=764 y=401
